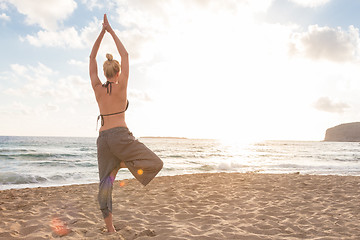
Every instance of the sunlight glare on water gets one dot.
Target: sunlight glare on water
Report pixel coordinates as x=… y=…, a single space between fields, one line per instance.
x=237 y=154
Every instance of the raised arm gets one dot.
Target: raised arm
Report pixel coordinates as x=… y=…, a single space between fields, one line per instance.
x=122 y=51
x=95 y=81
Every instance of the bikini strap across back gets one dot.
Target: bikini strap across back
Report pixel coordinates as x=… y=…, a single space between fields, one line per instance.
x=108 y=90
x=104 y=115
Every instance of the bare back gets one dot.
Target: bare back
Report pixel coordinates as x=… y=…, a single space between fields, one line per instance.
x=112 y=103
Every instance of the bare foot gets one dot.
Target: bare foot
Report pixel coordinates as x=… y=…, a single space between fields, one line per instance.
x=109 y=224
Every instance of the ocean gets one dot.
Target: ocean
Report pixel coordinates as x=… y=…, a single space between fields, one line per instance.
x=56 y=161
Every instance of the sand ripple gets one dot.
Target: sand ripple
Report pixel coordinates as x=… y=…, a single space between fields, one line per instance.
x=198 y=206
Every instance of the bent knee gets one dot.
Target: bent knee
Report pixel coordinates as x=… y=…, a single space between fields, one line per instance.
x=159 y=164
x=155 y=164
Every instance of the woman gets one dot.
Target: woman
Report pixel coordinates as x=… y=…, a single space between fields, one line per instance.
x=116 y=146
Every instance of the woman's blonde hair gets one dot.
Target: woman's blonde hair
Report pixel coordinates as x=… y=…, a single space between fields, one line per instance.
x=111 y=66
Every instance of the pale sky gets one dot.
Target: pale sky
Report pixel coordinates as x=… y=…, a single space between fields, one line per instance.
x=230 y=69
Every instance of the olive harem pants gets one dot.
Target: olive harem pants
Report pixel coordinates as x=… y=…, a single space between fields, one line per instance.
x=118 y=145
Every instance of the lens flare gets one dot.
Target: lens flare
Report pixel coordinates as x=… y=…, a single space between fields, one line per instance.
x=59 y=227
x=140 y=171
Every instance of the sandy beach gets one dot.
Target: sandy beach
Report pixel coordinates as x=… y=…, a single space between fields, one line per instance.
x=196 y=206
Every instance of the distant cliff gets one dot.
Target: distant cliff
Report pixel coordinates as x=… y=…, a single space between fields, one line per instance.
x=348 y=132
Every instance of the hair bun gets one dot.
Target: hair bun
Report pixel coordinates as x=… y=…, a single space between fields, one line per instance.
x=109 y=57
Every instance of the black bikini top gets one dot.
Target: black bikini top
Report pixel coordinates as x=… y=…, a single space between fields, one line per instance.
x=108 y=90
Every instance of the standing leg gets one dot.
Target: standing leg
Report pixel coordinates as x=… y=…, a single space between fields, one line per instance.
x=105 y=201
x=108 y=220
x=108 y=166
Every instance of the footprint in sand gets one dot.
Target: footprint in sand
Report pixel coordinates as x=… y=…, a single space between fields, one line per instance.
x=147 y=232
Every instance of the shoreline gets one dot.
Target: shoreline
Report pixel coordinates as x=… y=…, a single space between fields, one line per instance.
x=55 y=185
x=191 y=206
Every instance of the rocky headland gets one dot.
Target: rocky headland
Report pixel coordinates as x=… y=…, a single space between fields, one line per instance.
x=347 y=132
